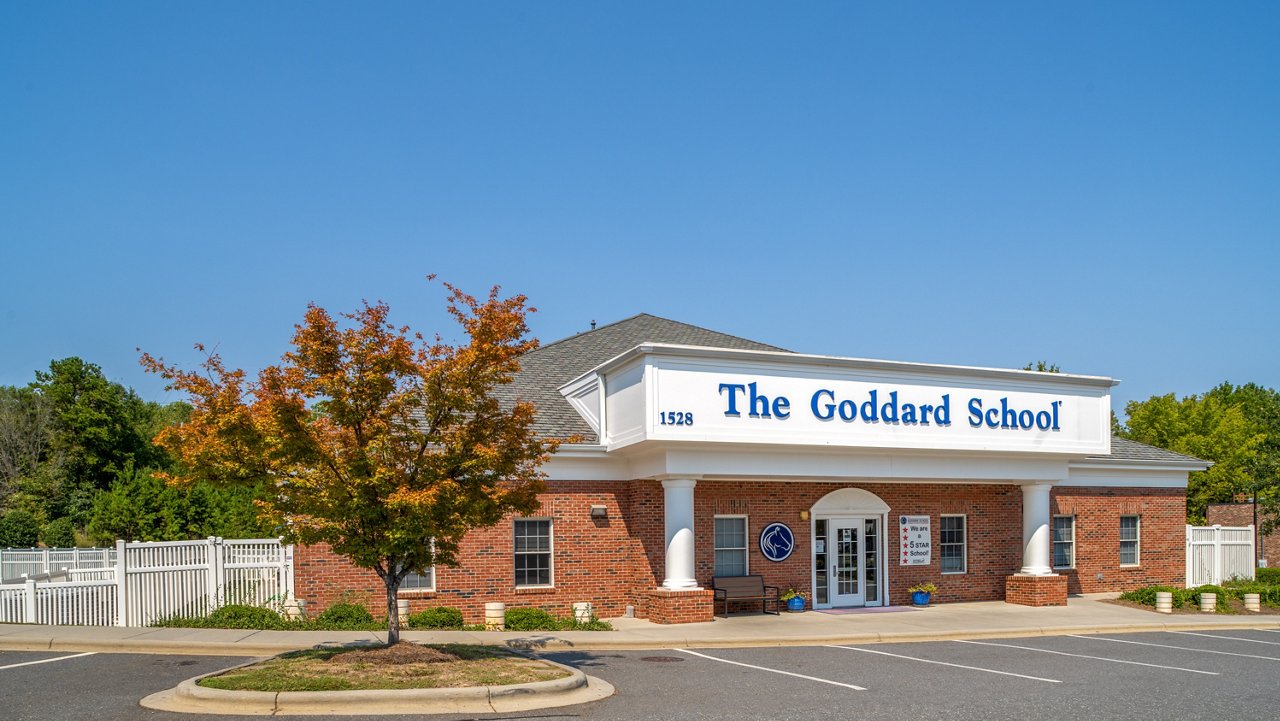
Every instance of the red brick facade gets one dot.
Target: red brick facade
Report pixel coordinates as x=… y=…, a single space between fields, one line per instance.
x=680 y=606
x=1162 y=539
x=618 y=561
x=1241 y=514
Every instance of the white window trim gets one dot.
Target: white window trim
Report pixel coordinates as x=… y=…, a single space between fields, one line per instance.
x=1052 y=542
x=746 y=541
x=964 y=543
x=551 y=551
x=1137 y=541
x=419 y=588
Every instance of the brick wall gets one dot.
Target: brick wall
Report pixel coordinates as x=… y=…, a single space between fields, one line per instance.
x=1162 y=547
x=618 y=561
x=1036 y=590
x=1241 y=514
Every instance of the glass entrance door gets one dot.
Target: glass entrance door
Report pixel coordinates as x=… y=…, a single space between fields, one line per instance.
x=847 y=572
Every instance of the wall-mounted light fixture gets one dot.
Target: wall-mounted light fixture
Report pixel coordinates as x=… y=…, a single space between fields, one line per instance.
x=599 y=511
x=804 y=515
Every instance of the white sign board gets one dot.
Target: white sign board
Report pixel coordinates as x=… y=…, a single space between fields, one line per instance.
x=917 y=547
x=828 y=407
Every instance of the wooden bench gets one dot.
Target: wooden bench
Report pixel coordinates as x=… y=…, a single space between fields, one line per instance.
x=744 y=588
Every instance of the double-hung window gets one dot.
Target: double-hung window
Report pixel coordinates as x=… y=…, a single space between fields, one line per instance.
x=731 y=545
x=1064 y=541
x=953 y=544
x=533 y=551
x=1130 y=529
x=419 y=581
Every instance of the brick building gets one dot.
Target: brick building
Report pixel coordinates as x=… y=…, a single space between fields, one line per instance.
x=706 y=454
x=1267 y=545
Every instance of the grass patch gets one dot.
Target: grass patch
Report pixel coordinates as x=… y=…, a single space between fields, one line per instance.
x=403 y=666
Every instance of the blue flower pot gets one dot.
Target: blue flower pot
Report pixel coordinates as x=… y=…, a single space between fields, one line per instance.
x=920 y=598
x=795 y=604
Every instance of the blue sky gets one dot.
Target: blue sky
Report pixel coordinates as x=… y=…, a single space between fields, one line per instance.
x=1096 y=184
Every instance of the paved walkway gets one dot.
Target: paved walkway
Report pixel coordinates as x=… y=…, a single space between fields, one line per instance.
x=992 y=619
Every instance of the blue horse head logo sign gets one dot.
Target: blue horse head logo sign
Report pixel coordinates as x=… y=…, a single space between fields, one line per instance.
x=777 y=542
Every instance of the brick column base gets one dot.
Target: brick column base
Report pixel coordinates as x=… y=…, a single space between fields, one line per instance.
x=1036 y=590
x=692 y=606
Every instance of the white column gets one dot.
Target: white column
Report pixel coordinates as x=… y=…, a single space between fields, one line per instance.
x=1035 y=529
x=677 y=500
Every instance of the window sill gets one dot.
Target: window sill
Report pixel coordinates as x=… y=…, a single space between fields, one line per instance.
x=533 y=590
x=1131 y=566
x=954 y=573
x=415 y=591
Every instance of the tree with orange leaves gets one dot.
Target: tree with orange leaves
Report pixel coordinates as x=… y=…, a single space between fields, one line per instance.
x=378 y=442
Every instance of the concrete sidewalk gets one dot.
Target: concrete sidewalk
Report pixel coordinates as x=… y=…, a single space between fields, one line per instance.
x=992 y=619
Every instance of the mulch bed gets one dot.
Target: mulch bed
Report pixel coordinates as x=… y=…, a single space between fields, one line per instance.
x=1235 y=604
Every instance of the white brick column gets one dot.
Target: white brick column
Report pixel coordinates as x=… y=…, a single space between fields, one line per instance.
x=1035 y=529
x=677 y=501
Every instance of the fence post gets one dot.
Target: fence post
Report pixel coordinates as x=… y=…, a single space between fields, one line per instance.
x=31 y=612
x=212 y=557
x=44 y=560
x=75 y=557
x=122 y=570
x=287 y=590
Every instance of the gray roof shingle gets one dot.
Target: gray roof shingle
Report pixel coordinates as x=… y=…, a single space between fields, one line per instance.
x=1123 y=449
x=544 y=370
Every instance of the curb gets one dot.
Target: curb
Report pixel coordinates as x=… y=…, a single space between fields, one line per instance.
x=603 y=642
x=190 y=697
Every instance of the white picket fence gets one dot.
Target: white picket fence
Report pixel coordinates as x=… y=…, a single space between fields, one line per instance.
x=17 y=563
x=1219 y=553
x=152 y=581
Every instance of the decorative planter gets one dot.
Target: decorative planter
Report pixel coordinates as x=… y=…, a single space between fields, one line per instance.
x=1208 y=602
x=1253 y=602
x=920 y=598
x=795 y=605
x=1164 y=602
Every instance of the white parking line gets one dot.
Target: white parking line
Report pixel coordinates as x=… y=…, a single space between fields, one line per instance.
x=1229 y=638
x=47 y=660
x=770 y=670
x=1096 y=658
x=944 y=663
x=1176 y=648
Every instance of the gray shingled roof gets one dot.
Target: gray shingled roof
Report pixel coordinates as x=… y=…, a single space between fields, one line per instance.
x=545 y=369
x=1123 y=449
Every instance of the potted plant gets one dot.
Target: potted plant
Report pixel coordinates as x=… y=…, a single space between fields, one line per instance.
x=921 y=593
x=794 y=598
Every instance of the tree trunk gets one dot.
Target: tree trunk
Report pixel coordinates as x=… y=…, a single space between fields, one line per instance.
x=393 y=614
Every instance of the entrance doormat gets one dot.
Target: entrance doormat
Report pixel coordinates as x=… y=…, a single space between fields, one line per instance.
x=869 y=609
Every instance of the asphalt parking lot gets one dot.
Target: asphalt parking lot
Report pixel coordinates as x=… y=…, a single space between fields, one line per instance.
x=1182 y=675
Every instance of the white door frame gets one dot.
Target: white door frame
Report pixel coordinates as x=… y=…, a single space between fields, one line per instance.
x=882 y=583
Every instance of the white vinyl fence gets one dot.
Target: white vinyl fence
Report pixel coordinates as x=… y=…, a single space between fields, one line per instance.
x=18 y=563
x=1219 y=553
x=152 y=581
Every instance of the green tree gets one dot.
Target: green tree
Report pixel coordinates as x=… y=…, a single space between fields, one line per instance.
x=386 y=446
x=1205 y=427
x=1261 y=408
x=59 y=533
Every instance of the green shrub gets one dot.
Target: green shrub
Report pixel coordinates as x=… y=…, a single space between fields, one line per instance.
x=1147 y=596
x=59 y=533
x=344 y=615
x=531 y=619
x=241 y=616
x=1269 y=575
x=19 y=529
x=438 y=617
